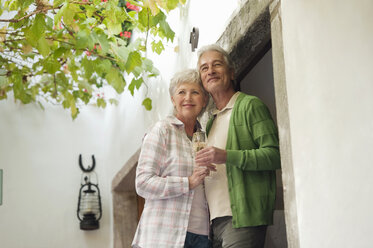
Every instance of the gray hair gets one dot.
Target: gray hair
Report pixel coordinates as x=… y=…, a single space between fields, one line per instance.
x=219 y=49
x=185 y=76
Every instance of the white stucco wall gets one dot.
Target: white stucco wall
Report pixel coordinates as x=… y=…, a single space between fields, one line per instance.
x=39 y=149
x=329 y=77
x=39 y=157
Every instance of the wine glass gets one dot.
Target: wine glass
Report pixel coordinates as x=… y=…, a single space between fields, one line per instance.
x=198 y=141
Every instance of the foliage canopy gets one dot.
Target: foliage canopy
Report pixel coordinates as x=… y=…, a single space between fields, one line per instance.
x=64 y=51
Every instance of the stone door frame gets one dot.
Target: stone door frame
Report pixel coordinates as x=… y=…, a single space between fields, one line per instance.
x=125 y=203
x=250 y=34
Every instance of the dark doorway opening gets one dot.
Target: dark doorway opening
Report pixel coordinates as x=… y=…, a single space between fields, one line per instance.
x=257 y=79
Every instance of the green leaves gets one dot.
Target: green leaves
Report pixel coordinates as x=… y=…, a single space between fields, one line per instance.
x=114 y=19
x=172 y=4
x=165 y=31
x=51 y=65
x=147 y=103
x=69 y=102
x=134 y=60
x=157 y=47
x=66 y=51
x=19 y=90
x=82 y=39
x=156 y=24
x=36 y=31
x=115 y=79
x=3 y=84
x=135 y=83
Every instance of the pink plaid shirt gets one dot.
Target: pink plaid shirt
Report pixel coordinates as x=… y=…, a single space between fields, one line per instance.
x=162 y=179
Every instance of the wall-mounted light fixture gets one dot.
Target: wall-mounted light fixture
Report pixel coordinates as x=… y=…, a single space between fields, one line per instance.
x=194 y=35
x=89 y=204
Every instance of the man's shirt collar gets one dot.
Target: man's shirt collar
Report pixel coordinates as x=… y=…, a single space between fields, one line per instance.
x=229 y=105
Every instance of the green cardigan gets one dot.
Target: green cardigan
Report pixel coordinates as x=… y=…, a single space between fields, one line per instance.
x=252 y=159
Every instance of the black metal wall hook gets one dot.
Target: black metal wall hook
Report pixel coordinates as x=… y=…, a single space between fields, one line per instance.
x=90 y=168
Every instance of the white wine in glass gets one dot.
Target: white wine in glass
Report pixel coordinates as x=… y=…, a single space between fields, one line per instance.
x=198 y=141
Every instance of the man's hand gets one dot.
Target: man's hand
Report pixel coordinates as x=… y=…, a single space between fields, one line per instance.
x=211 y=155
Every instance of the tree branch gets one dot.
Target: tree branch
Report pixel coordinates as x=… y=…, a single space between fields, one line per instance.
x=147 y=32
x=55 y=86
x=68 y=30
x=31 y=14
x=81 y=3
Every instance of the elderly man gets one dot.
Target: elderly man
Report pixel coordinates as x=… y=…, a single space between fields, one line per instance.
x=243 y=145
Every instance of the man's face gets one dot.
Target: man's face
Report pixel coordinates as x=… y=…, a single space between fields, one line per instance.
x=215 y=74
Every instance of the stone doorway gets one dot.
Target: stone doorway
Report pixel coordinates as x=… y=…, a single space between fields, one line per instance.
x=251 y=33
x=259 y=82
x=127 y=205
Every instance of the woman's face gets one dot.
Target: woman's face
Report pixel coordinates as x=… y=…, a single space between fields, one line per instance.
x=188 y=100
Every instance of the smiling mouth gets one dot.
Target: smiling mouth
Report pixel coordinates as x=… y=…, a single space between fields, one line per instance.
x=212 y=79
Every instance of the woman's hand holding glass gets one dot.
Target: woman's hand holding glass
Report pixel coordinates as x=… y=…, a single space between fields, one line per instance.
x=199 y=174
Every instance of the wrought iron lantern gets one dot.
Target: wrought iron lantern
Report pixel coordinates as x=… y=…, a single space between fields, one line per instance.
x=89 y=205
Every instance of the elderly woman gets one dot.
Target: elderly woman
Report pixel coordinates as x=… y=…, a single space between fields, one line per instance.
x=175 y=212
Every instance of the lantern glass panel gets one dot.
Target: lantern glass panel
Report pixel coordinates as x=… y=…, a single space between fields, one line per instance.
x=90 y=203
